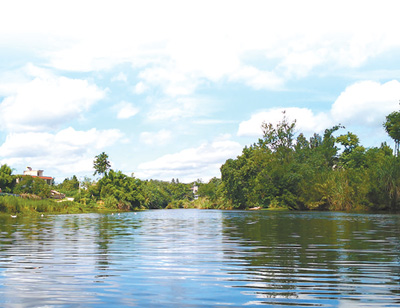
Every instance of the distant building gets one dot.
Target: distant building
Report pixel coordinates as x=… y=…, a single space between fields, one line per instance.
x=31 y=172
x=38 y=174
x=195 y=190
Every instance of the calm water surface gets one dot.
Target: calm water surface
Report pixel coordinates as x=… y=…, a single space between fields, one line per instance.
x=200 y=258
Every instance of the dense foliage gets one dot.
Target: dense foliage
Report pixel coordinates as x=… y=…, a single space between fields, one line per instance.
x=7 y=181
x=392 y=127
x=115 y=191
x=34 y=186
x=162 y=194
x=308 y=174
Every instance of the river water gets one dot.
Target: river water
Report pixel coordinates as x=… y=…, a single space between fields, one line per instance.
x=200 y=258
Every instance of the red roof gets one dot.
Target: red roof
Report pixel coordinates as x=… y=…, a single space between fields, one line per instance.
x=44 y=177
x=40 y=177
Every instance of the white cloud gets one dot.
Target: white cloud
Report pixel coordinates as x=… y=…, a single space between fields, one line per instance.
x=193 y=163
x=256 y=78
x=306 y=121
x=175 y=49
x=161 y=137
x=120 y=77
x=171 y=80
x=126 y=110
x=299 y=63
x=366 y=103
x=65 y=152
x=179 y=108
x=212 y=121
x=46 y=102
x=140 y=88
x=361 y=108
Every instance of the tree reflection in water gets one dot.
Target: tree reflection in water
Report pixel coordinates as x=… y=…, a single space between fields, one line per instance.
x=316 y=258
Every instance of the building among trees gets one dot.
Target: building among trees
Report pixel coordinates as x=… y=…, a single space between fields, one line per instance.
x=39 y=174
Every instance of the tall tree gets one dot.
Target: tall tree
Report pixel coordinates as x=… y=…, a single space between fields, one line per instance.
x=392 y=127
x=101 y=164
x=281 y=136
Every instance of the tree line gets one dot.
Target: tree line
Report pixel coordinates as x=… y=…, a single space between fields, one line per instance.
x=281 y=170
x=113 y=191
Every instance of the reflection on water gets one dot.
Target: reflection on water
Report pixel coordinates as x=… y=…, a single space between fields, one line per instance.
x=200 y=258
x=318 y=259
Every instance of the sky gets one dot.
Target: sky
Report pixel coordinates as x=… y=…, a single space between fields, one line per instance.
x=172 y=89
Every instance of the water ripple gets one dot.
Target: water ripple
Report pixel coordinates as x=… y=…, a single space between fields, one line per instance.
x=192 y=258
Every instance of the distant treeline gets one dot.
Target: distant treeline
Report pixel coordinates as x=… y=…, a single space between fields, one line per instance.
x=115 y=191
x=281 y=170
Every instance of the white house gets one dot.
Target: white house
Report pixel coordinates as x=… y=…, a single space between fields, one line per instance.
x=39 y=174
x=31 y=172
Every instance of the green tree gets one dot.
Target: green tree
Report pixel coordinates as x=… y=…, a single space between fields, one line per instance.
x=69 y=185
x=349 y=141
x=281 y=171
x=101 y=164
x=280 y=138
x=156 y=194
x=119 y=191
x=180 y=191
x=392 y=127
x=328 y=147
x=236 y=176
x=381 y=177
x=33 y=185
x=7 y=181
x=389 y=180
x=210 y=189
x=353 y=155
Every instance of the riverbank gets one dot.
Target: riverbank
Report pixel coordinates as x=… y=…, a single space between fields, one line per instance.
x=12 y=204
x=16 y=205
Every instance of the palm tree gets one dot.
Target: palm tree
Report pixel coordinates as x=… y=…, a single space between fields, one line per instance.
x=101 y=164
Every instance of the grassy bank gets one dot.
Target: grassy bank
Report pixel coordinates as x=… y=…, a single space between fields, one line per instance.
x=200 y=203
x=18 y=205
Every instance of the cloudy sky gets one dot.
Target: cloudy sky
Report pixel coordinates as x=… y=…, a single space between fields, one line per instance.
x=171 y=89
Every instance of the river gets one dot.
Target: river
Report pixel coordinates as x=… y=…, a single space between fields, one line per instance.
x=200 y=258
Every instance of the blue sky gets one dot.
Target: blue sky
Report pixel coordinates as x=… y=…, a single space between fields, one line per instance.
x=171 y=89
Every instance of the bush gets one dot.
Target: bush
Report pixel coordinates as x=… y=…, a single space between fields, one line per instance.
x=33 y=185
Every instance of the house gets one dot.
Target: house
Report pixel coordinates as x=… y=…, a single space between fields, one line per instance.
x=29 y=171
x=39 y=174
x=195 y=190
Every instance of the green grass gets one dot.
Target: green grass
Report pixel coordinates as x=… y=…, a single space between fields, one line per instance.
x=14 y=205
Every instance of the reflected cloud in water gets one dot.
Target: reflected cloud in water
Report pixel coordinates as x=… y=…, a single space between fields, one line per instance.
x=200 y=258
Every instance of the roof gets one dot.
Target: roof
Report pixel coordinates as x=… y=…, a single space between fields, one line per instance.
x=41 y=177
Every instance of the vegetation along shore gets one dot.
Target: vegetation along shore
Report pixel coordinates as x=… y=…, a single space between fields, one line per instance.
x=282 y=170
